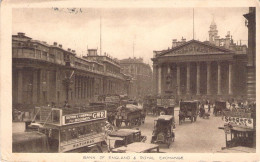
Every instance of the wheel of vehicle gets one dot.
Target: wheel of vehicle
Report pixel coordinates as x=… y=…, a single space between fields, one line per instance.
x=132 y=122
x=195 y=118
x=168 y=143
x=191 y=119
x=173 y=137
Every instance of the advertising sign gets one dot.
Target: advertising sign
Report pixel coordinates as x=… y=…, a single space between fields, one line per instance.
x=83 y=117
x=82 y=142
x=243 y=122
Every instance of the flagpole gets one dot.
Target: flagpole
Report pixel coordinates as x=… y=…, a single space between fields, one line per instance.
x=100 y=37
x=193 y=23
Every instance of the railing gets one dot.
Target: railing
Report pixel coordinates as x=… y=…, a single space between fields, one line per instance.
x=38 y=55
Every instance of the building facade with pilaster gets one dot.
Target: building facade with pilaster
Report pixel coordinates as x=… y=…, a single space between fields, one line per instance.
x=251 y=64
x=43 y=73
x=141 y=74
x=195 y=69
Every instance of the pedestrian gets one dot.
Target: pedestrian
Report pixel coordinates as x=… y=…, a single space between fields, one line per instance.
x=208 y=106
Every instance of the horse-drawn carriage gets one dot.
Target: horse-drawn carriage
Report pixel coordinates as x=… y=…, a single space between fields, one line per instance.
x=220 y=106
x=188 y=109
x=130 y=114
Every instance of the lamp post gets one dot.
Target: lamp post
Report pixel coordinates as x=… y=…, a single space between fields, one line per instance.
x=67 y=81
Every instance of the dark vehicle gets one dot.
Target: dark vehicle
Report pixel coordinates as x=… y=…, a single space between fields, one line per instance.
x=124 y=137
x=149 y=104
x=163 y=130
x=63 y=130
x=165 y=105
x=220 y=106
x=240 y=130
x=130 y=114
x=188 y=109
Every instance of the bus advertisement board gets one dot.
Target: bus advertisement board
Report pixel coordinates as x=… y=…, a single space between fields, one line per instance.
x=83 y=117
x=81 y=142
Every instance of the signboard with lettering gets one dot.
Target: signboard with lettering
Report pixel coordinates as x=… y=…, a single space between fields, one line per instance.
x=83 y=117
x=165 y=102
x=82 y=142
x=243 y=122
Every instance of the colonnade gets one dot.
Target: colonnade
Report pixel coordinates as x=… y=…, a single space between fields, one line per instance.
x=198 y=77
x=84 y=87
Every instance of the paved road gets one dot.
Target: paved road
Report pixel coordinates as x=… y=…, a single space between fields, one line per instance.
x=203 y=136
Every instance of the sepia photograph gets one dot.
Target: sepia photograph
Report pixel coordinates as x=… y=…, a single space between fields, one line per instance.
x=133 y=80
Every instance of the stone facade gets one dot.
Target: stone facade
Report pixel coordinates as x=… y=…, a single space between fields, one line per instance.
x=197 y=69
x=251 y=64
x=141 y=74
x=44 y=73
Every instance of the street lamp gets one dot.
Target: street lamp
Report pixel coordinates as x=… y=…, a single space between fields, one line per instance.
x=67 y=81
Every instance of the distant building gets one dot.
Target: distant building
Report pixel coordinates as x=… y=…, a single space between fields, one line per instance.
x=44 y=73
x=251 y=64
x=141 y=74
x=195 y=69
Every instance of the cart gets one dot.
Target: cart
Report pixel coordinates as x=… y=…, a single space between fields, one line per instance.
x=163 y=132
x=188 y=109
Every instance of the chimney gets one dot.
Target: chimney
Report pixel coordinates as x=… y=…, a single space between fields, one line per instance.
x=69 y=49
x=21 y=34
x=44 y=42
x=60 y=45
x=73 y=51
x=55 y=43
x=174 y=43
x=92 y=52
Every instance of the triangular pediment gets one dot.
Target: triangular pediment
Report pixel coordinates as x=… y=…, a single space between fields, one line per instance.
x=195 y=47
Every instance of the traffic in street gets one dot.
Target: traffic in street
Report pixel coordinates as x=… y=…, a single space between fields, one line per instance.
x=202 y=136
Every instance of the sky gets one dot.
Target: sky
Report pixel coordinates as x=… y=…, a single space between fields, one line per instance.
x=126 y=32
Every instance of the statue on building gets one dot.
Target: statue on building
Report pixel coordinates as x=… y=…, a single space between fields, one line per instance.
x=168 y=81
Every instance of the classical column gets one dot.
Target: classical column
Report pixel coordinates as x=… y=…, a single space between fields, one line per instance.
x=198 y=78
x=34 y=86
x=159 y=79
x=93 y=87
x=208 y=77
x=188 y=78
x=48 y=86
x=230 y=79
x=82 y=87
x=88 y=87
x=219 y=79
x=20 y=86
x=178 y=80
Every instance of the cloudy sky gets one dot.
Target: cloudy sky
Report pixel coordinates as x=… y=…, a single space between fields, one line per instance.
x=150 y=29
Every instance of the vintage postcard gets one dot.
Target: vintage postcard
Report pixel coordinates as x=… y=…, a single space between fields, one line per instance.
x=129 y=80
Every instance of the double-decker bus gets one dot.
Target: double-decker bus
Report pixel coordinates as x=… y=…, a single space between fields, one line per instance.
x=63 y=130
